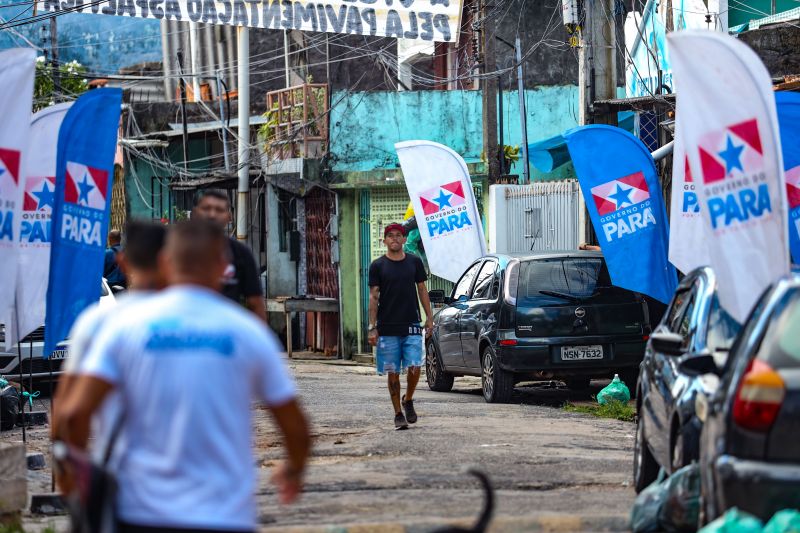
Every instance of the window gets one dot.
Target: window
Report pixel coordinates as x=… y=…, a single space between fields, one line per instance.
x=465 y=283
x=573 y=277
x=486 y=281
x=781 y=345
x=286 y=215
x=722 y=328
x=678 y=302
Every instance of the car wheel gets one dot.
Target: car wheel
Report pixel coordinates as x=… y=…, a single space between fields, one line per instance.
x=678 y=456
x=645 y=468
x=497 y=384
x=579 y=383
x=438 y=379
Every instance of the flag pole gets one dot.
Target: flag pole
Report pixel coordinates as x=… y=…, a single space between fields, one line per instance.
x=21 y=376
x=52 y=467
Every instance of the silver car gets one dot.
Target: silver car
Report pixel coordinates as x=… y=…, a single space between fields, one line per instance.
x=30 y=349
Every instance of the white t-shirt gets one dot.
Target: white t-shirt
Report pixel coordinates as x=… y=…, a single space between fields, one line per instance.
x=85 y=330
x=187 y=363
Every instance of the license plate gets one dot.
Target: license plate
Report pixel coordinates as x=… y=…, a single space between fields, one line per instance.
x=59 y=354
x=581 y=353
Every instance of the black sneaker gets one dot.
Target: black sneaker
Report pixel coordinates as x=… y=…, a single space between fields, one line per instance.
x=408 y=407
x=400 y=421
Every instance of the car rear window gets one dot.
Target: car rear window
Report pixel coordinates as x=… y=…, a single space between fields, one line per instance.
x=576 y=277
x=781 y=345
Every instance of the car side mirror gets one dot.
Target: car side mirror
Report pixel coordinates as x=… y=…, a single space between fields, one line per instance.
x=667 y=343
x=697 y=365
x=436 y=296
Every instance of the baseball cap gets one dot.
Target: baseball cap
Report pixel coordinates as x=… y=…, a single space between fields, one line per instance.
x=395 y=227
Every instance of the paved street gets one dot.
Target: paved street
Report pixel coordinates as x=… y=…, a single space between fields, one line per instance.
x=553 y=470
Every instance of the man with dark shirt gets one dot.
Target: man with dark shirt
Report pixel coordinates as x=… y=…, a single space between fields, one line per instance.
x=395 y=281
x=111 y=271
x=240 y=282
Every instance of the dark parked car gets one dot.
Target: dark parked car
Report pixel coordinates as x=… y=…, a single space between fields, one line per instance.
x=668 y=430
x=550 y=315
x=749 y=456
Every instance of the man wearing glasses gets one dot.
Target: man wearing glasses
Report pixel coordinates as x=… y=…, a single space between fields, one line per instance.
x=396 y=281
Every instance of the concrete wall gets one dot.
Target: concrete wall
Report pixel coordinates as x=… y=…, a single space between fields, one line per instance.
x=777 y=46
x=349 y=265
x=359 y=143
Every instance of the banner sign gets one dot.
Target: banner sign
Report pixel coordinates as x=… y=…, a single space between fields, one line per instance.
x=35 y=214
x=440 y=188
x=729 y=127
x=789 y=122
x=16 y=99
x=688 y=248
x=419 y=20
x=618 y=179
x=84 y=176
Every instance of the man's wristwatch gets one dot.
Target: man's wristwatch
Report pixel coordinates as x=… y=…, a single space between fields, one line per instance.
x=372 y=327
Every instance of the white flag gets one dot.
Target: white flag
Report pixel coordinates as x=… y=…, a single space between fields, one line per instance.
x=16 y=97
x=35 y=212
x=729 y=127
x=688 y=246
x=441 y=192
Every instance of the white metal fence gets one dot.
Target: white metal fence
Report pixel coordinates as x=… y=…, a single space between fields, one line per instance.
x=536 y=217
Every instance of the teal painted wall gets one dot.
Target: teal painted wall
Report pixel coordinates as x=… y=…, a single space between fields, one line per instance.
x=365 y=126
x=756 y=9
x=154 y=203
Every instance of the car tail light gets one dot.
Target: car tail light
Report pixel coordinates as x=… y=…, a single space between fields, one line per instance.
x=511 y=282
x=759 y=397
x=508 y=342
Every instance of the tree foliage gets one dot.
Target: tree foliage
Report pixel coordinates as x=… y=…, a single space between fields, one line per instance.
x=71 y=83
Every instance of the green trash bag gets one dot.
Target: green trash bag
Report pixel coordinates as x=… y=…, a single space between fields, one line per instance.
x=734 y=521
x=681 y=508
x=786 y=521
x=616 y=390
x=646 y=508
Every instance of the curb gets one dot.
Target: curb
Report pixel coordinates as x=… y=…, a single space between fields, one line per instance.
x=555 y=523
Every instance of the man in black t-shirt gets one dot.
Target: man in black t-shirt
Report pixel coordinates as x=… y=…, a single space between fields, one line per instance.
x=240 y=282
x=395 y=281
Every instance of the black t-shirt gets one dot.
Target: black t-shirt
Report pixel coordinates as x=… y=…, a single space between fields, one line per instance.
x=240 y=280
x=398 y=307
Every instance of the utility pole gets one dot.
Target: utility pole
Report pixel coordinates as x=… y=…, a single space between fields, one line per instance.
x=223 y=123
x=489 y=95
x=183 y=112
x=194 y=54
x=244 y=132
x=523 y=113
x=597 y=59
x=54 y=58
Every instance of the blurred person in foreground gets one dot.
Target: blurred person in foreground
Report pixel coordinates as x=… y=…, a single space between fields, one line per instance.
x=186 y=462
x=240 y=280
x=139 y=262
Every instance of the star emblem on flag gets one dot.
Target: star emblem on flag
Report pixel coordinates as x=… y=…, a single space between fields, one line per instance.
x=46 y=196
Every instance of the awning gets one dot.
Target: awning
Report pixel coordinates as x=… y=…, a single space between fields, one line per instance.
x=549 y=154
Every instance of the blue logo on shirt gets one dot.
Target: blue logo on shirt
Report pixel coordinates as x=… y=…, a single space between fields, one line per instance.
x=163 y=340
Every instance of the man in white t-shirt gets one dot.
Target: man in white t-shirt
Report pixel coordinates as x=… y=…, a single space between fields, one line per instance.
x=187 y=364
x=139 y=262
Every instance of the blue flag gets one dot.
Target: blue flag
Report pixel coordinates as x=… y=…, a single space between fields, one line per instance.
x=619 y=182
x=789 y=123
x=87 y=143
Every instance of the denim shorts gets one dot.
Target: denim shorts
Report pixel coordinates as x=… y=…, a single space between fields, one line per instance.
x=395 y=354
